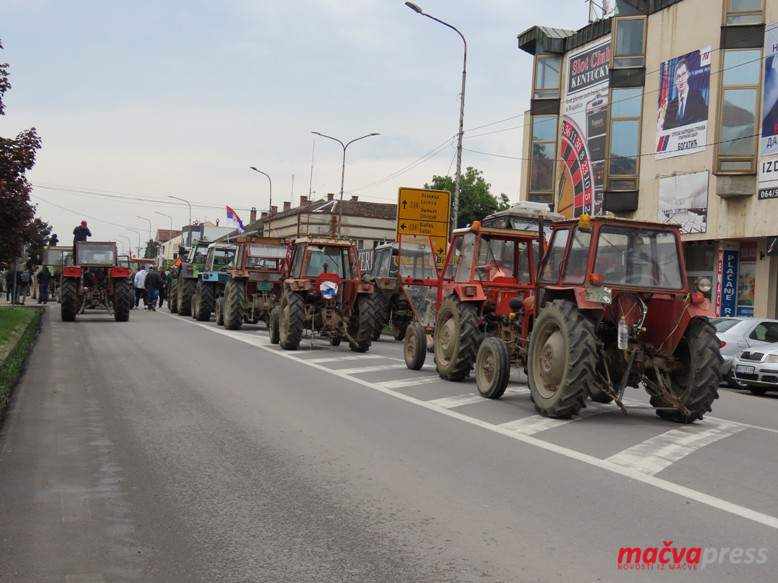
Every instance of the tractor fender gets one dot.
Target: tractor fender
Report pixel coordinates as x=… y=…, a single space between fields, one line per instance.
x=296 y=285
x=120 y=272
x=71 y=271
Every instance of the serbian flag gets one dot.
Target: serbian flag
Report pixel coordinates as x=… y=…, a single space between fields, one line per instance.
x=234 y=220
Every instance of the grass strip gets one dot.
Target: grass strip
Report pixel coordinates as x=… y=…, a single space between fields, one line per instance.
x=22 y=325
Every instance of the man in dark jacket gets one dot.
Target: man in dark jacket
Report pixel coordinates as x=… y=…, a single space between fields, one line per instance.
x=44 y=277
x=153 y=283
x=80 y=233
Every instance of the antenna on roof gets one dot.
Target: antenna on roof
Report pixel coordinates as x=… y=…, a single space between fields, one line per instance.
x=599 y=11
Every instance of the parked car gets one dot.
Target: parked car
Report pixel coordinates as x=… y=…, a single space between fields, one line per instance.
x=738 y=334
x=758 y=368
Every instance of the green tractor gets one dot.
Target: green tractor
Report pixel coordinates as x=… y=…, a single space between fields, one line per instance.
x=213 y=278
x=184 y=283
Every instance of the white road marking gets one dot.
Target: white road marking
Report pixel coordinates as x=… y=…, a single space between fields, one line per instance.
x=387 y=387
x=537 y=423
x=654 y=455
x=470 y=399
x=366 y=369
x=403 y=383
x=340 y=358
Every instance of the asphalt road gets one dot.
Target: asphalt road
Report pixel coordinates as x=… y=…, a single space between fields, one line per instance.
x=164 y=449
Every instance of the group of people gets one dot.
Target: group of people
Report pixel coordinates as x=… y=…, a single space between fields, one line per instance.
x=19 y=284
x=150 y=286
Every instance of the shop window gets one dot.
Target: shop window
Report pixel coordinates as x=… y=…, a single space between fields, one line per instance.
x=547 y=77
x=544 y=145
x=626 y=106
x=743 y=12
x=629 y=43
x=737 y=122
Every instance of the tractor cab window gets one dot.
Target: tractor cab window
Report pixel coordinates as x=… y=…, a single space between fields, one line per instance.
x=417 y=260
x=223 y=257
x=552 y=261
x=495 y=259
x=577 y=260
x=382 y=263
x=297 y=262
x=465 y=264
x=455 y=254
x=327 y=259
x=95 y=255
x=265 y=257
x=639 y=257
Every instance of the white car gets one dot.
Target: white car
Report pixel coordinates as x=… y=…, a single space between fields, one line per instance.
x=739 y=334
x=758 y=368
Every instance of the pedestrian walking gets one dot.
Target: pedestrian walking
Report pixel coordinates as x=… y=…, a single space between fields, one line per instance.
x=140 y=285
x=44 y=278
x=22 y=286
x=152 y=283
x=10 y=278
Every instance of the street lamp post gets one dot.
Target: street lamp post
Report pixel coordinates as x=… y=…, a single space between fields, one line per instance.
x=270 y=201
x=148 y=221
x=189 y=242
x=343 y=168
x=170 y=233
x=137 y=233
x=169 y=218
x=458 y=177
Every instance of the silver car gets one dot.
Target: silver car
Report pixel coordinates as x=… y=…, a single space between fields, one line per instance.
x=738 y=334
x=758 y=368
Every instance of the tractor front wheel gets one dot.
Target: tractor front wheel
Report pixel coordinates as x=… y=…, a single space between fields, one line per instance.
x=291 y=321
x=122 y=300
x=415 y=346
x=562 y=359
x=68 y=300
x=456 y=339
x=185 y=294
x=172 y=297
x=492 y=368
x=218 y=308
x=696 y=383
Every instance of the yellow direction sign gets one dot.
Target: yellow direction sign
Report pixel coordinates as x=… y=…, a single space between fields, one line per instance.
x=425 y=212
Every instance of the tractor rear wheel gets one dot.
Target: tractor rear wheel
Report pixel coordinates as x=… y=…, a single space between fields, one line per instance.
x=186 y=291
x=122 y=300
x=363 y=324
x=456 y=339
x=562 y=359
x=234 y=304
x=415 y=346
x=68 y=300
x=291 y=320
x=492 y=368
x=273 y=323
x=172 y=297
x=696 y=384
x=205 y=293
x=381 y=316
x=218 y=307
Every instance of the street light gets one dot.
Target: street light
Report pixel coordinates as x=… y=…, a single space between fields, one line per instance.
x=189 y=243
x=129 y=244
x=148 y=221
x=137 y=233
x=270 y=202
x=458 y=177
x=169 y=218
x=343 y=167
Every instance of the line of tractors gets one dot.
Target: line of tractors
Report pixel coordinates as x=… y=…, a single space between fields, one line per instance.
x=586 y=307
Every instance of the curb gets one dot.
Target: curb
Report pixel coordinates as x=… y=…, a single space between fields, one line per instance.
x=11 y=350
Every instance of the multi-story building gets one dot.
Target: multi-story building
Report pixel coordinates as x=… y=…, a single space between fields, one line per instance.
x=667 y=110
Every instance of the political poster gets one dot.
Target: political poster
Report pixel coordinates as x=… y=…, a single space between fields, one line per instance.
x=583 y=131
x=682 y=116
x=769 y=137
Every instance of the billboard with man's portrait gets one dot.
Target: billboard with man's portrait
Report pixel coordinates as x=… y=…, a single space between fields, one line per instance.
x=682 y=116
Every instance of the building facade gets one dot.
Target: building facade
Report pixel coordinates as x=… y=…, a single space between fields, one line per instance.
x=667 y=110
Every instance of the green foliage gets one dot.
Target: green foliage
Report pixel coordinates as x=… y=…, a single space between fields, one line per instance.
x=17 y=156
x=475 y=198
x=152 y=250
x=21 y=323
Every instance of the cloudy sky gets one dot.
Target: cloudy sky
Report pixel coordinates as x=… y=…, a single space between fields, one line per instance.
x=140 y=100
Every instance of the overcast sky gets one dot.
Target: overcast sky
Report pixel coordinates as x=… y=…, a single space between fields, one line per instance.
x=138 y=100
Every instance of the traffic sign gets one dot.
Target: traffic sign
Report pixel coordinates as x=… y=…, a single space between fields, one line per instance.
x=425 y=212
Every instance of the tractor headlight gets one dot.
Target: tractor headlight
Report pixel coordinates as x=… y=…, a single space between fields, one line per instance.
x=703 y=285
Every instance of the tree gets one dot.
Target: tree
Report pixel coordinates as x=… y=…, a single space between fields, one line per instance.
x=475 y=199
x=152 y=249
x=17 y=156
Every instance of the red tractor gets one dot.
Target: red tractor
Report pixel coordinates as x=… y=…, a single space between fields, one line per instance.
x=488 y=275
x=95 y=281
x=255 y=284
x=615 y=309
x=324 y=294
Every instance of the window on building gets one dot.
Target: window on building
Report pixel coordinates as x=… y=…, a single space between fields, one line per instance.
x=547 y=77
x=743 y=12
x=737 y=122
x=626 y=106
x=544 y=144
x=629 y=43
